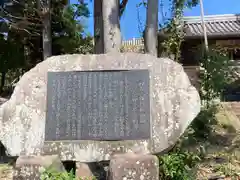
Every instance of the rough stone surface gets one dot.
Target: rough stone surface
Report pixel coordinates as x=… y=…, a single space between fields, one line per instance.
x=2 y=100
x=83 y=170
x=174 y=104
x=134 y=166
x=31 y=167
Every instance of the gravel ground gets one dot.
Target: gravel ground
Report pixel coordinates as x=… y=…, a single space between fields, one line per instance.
x=5 y=172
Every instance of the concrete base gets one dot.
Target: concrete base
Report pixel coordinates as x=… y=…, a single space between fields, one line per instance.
x=31 y=167
x=134 y=166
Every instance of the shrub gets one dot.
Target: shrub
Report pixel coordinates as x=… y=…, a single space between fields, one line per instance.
x=202 y=124
x=53 y=175
x=177 y=165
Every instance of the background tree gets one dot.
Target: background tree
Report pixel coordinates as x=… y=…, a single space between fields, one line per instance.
x=107 y=36
x=111 y=26
x=98 y=27
x=151 y=29
x=45 y=7
x=173 y=28
x=23 y=23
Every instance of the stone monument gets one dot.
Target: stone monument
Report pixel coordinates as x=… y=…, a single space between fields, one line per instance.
x=149 y=99
x=2 y=100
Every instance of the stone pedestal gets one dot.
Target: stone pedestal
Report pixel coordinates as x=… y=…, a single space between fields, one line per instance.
x=31 y=167
x=134 y=166
x=83 y=170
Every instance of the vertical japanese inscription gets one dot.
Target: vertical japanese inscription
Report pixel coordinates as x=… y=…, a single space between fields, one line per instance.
x=98 y=105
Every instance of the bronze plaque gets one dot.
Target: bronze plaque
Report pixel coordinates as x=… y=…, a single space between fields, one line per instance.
x=98 y=105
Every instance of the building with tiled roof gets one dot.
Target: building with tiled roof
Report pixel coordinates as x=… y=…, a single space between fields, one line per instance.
x=222 y=30
x=217 y=26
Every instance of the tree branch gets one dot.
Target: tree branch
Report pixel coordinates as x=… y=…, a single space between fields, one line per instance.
x=122 y=6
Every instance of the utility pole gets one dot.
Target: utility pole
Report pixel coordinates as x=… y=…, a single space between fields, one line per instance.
x=206 y=53
x=204 y=26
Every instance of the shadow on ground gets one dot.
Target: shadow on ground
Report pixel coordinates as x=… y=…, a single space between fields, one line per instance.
x=221 y=149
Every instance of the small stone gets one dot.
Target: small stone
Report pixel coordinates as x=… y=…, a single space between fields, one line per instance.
x=83 y=170
x=31 y=167
x=138 y=171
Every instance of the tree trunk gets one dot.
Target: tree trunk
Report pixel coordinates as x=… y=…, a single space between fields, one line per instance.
x=46 y=33
x=111 y=26
x=151 y=31
x=98 y=27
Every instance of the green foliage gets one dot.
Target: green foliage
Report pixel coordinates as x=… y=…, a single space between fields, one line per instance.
x=21 y=48
x=202 y=124
x=10 y=51
x=54 y=175
x=216 y=73
x=173 y=43
x=69 y=36
x=177 y=165
x=26 y=21
x=227 y=170
x=173 y=28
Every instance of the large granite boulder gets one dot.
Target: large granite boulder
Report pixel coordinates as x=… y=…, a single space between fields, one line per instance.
x=174 y=104
x=2 y=100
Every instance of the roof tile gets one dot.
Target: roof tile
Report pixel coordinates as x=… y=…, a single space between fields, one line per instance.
x=216 y=25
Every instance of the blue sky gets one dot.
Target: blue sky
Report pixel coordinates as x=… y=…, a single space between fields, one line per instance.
x=133 y=19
